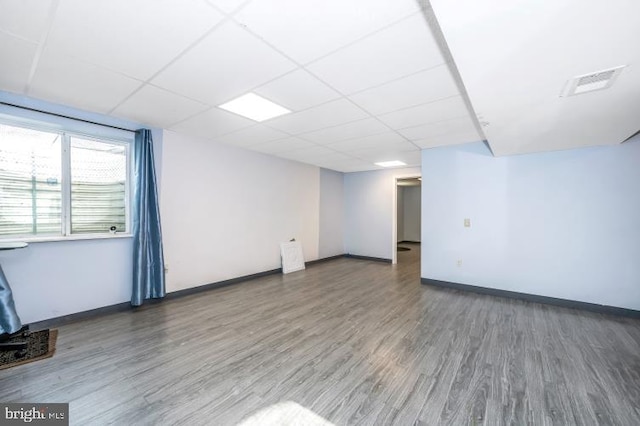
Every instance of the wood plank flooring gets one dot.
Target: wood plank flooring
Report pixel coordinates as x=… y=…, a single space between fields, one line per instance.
x=357 y=342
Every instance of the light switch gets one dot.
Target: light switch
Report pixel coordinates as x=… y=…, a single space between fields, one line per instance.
x=467 y=223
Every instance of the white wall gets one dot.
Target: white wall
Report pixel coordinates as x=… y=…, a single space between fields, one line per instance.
x=225 y=210
x=370 y=207
x=51 y=279
x=411 y=213
x=331 y=232
x=561 y=224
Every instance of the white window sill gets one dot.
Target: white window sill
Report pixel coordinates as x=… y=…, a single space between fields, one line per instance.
x=57 y=238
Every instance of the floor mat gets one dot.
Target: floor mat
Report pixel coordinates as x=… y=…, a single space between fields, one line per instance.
x=40 y=344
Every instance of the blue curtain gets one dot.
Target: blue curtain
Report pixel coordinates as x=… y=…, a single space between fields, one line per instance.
x=148 y=260
x=9 y=320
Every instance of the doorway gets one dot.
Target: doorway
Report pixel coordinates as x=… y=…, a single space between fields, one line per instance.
x=407 y=223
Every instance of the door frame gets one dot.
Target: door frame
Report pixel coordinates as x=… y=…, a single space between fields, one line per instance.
x=394 y=215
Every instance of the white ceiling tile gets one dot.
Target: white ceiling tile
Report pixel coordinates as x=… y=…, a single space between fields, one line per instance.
x=309 y=155
x=411 y=157
x=426 y=86
x=383 y=153
x=151 y=105
x=402 y=49
x=226 y=64
x=282 y=145
x=26 y=19
x=212 y=123
x=454 y=125
x=227 y=6
x=445 y=109
x=333 y=157
x=136 y=38
x=297 y=90
x=372 y=141
x=69 y=81
x=306 y=30
x=249 y=136
x=15 y=73
x=346 y=164
x=354 y=129
x=337 y=157
x=455 y=137
x=359 y=167
x=325 y=115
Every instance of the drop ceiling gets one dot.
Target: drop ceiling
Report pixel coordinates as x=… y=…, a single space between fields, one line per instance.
x=516 y=58
x=366 y=80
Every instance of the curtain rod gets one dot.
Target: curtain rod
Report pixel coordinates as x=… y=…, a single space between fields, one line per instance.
x=65 y=116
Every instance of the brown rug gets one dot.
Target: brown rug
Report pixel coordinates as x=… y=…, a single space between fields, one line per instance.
x=40 y=345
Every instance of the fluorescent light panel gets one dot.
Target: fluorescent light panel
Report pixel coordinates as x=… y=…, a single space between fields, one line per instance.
x=393 y=163
x=254 y=107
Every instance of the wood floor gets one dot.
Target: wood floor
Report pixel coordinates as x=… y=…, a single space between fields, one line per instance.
x=355 y=341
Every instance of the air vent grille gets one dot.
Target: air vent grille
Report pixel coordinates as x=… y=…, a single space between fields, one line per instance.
x=590 y=82
x=596 y=78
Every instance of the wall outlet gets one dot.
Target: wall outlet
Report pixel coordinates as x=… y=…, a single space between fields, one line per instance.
x=467 y=223
x=459 y=263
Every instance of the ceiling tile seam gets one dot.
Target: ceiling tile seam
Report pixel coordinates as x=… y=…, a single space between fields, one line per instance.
x=433 y=122
x=354 y=157
x=368 y=161
x=348 y=100
x=264 y=83
x=172 y=61
x=394 y=80
x=357 y=106
x=301 y=135
x=205 y=107
x=420 y=104
x=304 y=66
x=103 y=67
x=44 y=37
x=360 y=151
x=345 y=140
x=323 y=146
x=288 y=136
x=300 y=66
x=435 y=29
x=258 y=86
x=229 y=14
x=372 y=33
x=18 y=36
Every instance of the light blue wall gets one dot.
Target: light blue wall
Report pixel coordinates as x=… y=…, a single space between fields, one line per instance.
x=561 y=224
x=51 y=279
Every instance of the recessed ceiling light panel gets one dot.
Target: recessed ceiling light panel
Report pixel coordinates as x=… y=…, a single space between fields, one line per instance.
x=393 y=163
x=254 y=107
x=591 y=82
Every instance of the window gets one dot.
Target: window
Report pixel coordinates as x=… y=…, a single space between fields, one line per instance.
x=61 y=184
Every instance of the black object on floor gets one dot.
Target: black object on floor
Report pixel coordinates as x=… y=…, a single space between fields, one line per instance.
x=39 y=344
x=404 y=249
x=14 y=341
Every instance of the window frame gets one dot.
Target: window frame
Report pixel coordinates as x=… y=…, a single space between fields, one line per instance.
x=67 y=129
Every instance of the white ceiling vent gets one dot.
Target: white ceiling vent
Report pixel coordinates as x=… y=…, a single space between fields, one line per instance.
x=591 y=82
